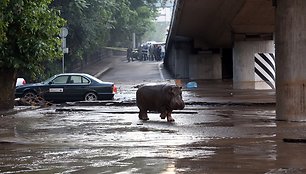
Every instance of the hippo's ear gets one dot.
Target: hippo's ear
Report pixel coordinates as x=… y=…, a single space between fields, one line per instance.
x=174 y=90
x=171 y=90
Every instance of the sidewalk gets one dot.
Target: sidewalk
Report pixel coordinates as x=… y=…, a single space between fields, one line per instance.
x=221 y=92
x=98 y=68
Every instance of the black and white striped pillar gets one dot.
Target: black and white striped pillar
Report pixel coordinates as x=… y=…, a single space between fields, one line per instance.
x=264 y=71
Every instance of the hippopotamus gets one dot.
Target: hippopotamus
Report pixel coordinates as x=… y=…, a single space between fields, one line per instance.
x=161 y=98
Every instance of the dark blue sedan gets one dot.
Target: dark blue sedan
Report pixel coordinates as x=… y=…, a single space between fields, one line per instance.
x=69 y=87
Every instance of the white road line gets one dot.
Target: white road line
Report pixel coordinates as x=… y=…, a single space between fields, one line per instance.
x=160 y=71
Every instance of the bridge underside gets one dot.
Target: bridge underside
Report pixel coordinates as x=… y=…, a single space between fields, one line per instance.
x=217 y=23
x=208 y=29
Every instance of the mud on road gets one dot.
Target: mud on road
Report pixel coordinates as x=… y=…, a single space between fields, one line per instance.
x=111 y=139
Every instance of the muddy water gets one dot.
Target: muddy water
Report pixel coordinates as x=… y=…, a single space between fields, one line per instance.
x=204 y=139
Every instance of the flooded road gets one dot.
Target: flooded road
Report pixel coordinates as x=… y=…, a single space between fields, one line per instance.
x=219 y=139
x=220 y=131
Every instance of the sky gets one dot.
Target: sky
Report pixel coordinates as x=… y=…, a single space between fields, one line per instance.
x=165 y=15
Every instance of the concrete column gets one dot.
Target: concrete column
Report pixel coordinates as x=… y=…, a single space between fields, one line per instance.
x=205 y=66
x=290 y=38
x=168 y=59
x=264 y=64
x=181 y=60
x=243 y=61
x=177 y=61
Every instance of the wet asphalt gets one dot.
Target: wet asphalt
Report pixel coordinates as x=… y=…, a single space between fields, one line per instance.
x=221 y=131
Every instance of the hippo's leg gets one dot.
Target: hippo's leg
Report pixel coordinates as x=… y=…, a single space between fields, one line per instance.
x=143 y=115
x=163 y=115
x=169 y=117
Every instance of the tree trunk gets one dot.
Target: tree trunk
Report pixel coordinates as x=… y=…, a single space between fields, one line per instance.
x=7 y=88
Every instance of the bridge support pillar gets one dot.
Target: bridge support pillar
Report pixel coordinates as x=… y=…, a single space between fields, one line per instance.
x=290 y=36
x=205 y=66
x=177 y=61
x=181 y=61
x=243 y=61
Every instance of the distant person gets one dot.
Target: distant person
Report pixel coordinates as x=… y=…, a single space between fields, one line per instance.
x=158 y=53
x=151 y=52
x=140 y=53
x=145 y=52
x=129 y=54
x=162 y=52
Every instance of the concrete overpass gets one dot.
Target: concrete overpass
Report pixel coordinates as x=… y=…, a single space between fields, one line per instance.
x=259 y=44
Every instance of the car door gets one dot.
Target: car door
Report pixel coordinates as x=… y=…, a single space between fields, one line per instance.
x=77 y=87
x=56 y=88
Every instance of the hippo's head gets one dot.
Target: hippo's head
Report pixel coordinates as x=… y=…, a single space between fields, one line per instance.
x=176 y=100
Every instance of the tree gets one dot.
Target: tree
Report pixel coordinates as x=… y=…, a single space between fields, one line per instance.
x=29 y=36
x=132 y=16
x=88 y=22
x=93 y=24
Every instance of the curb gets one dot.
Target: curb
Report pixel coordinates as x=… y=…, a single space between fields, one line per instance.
x=98 y=74
x=189 y=103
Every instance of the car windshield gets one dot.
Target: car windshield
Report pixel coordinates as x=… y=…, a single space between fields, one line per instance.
x=48 y=80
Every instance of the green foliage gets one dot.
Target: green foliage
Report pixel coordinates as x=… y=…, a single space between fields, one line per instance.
x=88 y=22
x=3 y=24
x=94 y=24
x=28 y=29
x=29 y=35
x=138 y=19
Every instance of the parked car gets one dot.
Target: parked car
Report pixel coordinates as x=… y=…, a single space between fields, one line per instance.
x=20 y=81
x=69 y=87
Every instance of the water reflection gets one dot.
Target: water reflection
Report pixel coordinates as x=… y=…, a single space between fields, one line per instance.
x=170 y=169
x=219 y=139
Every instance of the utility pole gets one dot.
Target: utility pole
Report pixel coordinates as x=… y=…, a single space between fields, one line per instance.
x=134 y=40
x=63 y=35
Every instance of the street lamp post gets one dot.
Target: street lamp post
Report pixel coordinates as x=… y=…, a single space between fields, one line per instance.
x=63 y=35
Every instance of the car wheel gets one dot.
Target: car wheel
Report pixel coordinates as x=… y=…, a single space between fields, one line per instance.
x=91 y=96
x=29 y=96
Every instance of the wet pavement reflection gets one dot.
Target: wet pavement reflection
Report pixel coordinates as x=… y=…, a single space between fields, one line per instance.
x=204 y=139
